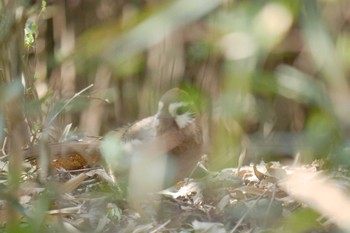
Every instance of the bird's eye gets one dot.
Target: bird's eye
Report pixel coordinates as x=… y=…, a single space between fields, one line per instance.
x=182 y=109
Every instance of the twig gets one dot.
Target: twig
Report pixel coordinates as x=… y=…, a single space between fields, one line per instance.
x=77 y=170
x=200 y=164
x=106 y=101
x=246 y=213
x=270 y=204
x=161 y=226
x=3 y=149
x=68 y=102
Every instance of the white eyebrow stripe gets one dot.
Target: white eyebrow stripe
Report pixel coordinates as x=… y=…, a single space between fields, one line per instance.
x=160 y=106
x=174 y=106
x=181 y=120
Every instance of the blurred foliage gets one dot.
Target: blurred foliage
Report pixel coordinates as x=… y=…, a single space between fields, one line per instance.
x=304 y=220
x=260 y=70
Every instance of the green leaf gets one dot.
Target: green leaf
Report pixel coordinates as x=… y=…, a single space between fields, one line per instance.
x=303 y=220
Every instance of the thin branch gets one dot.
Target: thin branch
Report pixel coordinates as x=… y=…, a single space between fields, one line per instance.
x=3 y=149
x=106 y=101
x=68 y=102
x=246 y=213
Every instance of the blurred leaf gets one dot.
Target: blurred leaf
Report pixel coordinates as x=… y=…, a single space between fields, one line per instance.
x=341 y=156
x=300 y=87
x=303 y=220
x=43 y=5
x=322 y=132
x=272 y=23
x=317 y=36
x=113 y=154
x=9 y=91
x=38 y=215
x=200 y=51
x=208 y=227
x=129 y=66
x=2 y=126
x=264 y=84
x=114 y=212
x=116 y=45
x=235 y=105
x=343 y=48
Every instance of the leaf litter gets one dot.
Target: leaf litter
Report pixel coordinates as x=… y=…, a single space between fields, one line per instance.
x=255 y=198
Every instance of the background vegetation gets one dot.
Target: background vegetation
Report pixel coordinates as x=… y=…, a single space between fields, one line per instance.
x=271 y=77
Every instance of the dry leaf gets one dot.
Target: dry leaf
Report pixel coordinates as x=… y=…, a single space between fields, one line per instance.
x=73 y=183
x=69 y=210
x=258 y=174
x=4 y=166
x=208 y=227
x=70 y=228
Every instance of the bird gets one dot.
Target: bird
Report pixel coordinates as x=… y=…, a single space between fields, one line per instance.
x=174 y=131
x=175 y=128
x=178 y=114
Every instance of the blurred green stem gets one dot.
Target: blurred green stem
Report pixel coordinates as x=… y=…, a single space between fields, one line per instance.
x=12 y=67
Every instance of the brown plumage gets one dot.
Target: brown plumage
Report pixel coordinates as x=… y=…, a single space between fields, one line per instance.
x=176 y=127
x=174 y=130
x=178 y=115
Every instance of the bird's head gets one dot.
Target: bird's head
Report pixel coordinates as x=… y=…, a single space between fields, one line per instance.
x=176 y=108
